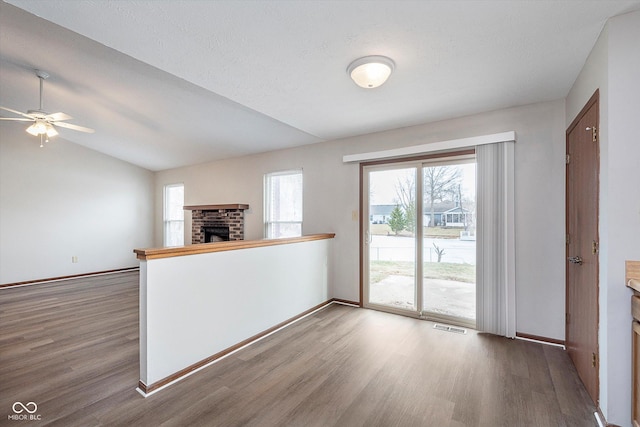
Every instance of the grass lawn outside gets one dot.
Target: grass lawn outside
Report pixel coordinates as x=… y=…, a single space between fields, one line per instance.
x=432 y=270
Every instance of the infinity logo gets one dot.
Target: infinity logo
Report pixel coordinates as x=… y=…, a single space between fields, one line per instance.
x=22 y=407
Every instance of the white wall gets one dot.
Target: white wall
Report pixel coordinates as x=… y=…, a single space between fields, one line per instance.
x=614 y=67
x=623 y=204
x=192 y=307
x=331 y=194
x=65 y=200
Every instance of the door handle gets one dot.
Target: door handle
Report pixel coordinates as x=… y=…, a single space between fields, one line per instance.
x=575 y=260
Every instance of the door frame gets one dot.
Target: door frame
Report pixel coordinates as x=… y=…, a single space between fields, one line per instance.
x=594 y=100
x=364 y=211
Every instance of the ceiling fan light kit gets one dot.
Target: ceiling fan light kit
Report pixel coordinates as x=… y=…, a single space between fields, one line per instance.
x=38 y=128
x=43 y=123
x=41 y=127
x=371 y=71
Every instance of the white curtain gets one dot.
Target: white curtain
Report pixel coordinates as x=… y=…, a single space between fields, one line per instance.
x=495 y=231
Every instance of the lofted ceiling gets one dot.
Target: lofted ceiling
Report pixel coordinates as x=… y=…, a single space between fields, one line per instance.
x=179 y=82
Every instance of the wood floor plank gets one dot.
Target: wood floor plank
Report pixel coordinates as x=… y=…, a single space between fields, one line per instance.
x=72 y=347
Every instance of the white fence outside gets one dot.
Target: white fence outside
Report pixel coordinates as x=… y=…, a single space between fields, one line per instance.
x=396 y=248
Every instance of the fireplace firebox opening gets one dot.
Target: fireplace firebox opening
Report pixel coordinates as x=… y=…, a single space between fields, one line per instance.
x=215 y=233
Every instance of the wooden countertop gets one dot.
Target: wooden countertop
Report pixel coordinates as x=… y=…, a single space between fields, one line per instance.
x=632 y=275
x=203 y=248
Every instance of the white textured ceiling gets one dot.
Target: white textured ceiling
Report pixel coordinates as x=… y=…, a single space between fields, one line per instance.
x=170 y=83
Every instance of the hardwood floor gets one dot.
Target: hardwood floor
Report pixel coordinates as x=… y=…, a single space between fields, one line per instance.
x=72 y=348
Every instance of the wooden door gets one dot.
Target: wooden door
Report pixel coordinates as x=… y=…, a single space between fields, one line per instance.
x=582 y=245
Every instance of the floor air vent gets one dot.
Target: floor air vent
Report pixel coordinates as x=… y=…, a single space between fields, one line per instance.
x=449 y=329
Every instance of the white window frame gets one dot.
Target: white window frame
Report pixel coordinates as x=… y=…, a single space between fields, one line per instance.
x=168 y=222
x=267 y=202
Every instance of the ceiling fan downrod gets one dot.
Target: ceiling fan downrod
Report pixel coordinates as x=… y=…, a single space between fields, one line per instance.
x=42 y=76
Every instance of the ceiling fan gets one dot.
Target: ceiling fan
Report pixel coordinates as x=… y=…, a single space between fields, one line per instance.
x=44 y=124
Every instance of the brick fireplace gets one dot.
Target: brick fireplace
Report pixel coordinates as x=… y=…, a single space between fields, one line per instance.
x=215 y=223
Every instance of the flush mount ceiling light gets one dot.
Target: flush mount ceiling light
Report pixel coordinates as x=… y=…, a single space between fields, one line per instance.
x=371 y=71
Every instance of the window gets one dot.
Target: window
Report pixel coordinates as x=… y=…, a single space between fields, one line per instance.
x=283 y=204
x=173 y=215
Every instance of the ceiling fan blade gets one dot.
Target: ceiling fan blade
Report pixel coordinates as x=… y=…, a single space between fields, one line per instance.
x=17 y=112
x=16 y=119
x=56 y=117
x=74 y=127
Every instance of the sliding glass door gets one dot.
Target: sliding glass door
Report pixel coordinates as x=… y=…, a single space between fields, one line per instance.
x=449 y=241
x=421 y=210
x=390 y=238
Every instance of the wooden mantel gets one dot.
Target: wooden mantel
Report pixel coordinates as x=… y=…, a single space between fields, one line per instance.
x=238 y=206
